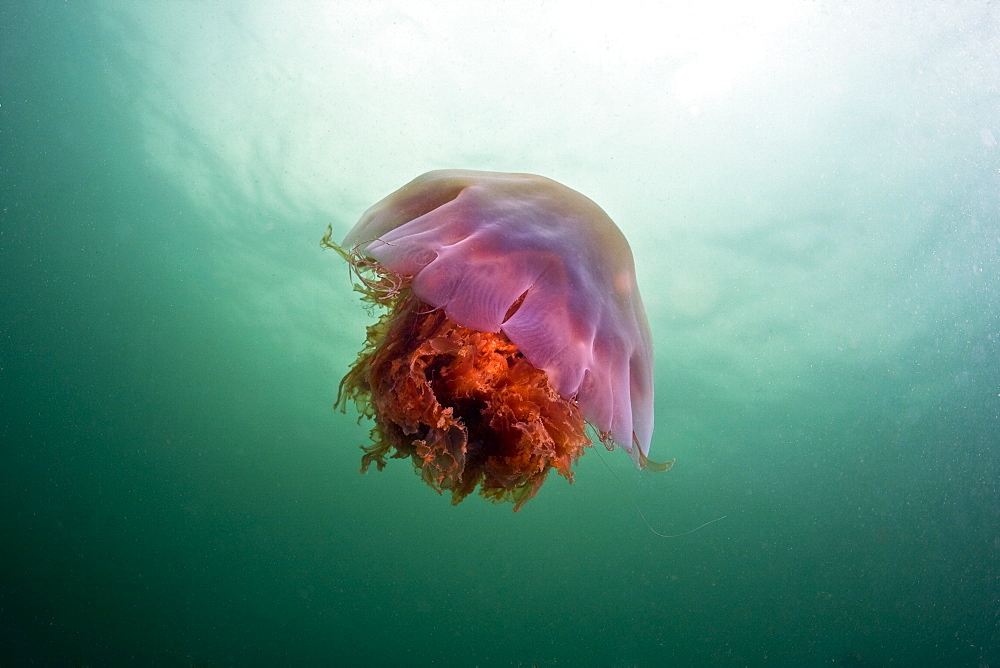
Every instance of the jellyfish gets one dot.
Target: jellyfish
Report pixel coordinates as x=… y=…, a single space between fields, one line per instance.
x=512 y=321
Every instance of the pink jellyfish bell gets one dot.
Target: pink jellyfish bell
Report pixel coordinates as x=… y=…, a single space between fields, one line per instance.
x=514 y=319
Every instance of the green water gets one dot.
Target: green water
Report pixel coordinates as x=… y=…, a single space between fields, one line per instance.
x=815 y=216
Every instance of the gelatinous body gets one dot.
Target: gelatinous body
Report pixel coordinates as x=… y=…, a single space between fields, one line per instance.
x=514 y=318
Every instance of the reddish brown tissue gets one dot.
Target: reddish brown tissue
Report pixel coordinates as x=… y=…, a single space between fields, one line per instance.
x=464 y=406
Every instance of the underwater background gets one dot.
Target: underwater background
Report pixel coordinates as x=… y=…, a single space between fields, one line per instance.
x=812 y=195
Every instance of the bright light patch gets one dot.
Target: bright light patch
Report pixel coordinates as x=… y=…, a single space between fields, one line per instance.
x=726 y=42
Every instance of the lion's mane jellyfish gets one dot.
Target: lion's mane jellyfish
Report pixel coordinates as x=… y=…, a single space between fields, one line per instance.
x=513 y=320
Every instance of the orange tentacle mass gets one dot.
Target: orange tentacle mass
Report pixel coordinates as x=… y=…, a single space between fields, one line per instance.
x=464 y=406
